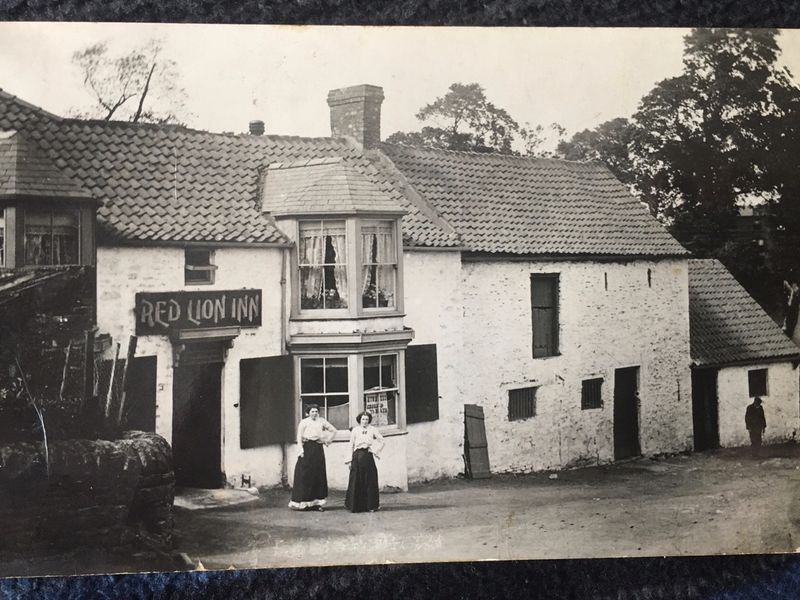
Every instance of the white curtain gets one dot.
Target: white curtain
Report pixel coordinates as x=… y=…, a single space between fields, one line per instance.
x=311 y=249
x=339 y=243
x=367 y=256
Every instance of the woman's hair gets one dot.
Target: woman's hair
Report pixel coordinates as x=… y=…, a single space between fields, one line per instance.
x=361 y=414
x=310 y=406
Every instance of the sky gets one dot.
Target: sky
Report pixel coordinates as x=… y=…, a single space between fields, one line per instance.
x=578 y=78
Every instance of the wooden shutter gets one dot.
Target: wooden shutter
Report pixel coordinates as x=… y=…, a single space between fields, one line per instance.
x=140 y=395
x=266 y=401
x=422 y=384
x=544 y=313
x=476 y=448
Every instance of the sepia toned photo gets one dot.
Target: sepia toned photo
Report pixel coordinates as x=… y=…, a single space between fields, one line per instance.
x=297 y=296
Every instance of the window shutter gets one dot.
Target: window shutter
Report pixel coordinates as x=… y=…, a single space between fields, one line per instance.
x=422 y=384
x=266 y=401
x=544 y=314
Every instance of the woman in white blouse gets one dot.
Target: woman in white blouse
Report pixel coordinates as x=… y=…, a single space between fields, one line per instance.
x=366 y=443
x=310 y=487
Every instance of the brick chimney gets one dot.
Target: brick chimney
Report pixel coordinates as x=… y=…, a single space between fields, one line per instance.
x=256 y=127
x=356 y=112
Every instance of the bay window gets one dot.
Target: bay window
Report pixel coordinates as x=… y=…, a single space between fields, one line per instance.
x=379 y=264
x=51 y=237
x=322 y=251
x=324 y=382
x=380 y=388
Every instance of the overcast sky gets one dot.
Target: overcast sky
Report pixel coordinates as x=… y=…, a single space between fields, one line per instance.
x=234 y=73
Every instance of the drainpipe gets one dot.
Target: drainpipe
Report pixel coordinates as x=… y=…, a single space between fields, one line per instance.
x=284 y=450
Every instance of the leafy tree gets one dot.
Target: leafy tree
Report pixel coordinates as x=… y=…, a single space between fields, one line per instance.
x=141 y=86
x=464 y=119
x=724 y=132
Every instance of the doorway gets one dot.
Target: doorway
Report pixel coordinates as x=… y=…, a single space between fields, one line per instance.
x=626 y=413
x=705 y=409
x=197 y=419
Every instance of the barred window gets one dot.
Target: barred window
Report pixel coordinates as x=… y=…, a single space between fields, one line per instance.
x=521 y=403
x=591 y=393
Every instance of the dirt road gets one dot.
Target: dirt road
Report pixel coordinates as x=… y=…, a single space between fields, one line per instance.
x=714 y=503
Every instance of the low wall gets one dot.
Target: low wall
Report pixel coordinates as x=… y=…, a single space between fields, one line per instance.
x=103 y=493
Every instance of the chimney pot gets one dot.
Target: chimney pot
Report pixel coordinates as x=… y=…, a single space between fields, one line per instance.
x=256 y=127
x=356 y=112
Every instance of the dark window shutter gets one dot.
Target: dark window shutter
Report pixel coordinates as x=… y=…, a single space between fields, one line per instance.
x=266 y=401
x=544 y=315
x=140 y=396
x=422 y=384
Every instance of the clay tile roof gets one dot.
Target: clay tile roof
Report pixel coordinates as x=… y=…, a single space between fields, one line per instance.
x=726 y=324
x=25 y=172
x=508 y=204
x=324 y=185
x=170 y=183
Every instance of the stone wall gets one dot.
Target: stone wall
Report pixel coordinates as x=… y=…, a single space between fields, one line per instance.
x=781 y=404
x=97 y=492
x=611 y=315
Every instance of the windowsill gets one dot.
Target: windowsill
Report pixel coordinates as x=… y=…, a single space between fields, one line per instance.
x=546 y=357
x=201 y=283
x=346 y=317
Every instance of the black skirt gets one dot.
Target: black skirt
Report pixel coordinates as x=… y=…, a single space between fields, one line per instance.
x=310 y=478
x=362 y=491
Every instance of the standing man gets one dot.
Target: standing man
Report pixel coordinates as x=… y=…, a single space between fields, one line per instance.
x=756 y=424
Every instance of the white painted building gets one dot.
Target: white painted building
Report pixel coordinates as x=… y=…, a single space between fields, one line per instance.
x=411 y=282
x=738 y=354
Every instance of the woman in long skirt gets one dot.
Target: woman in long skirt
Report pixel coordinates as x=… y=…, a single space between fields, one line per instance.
x=366 y=444
x=310 y=487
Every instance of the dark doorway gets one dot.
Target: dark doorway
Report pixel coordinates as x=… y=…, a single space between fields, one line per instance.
x=705 y=409
x=196 y=424
x=140 y=396
x=626 y=413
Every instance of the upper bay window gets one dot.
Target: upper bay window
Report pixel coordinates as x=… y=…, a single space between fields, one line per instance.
x=379 y=264
x=349 y=265
x=322 y=251
x=51 y=237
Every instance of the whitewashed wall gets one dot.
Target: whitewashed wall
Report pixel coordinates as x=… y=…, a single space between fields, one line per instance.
x=781 y=404
x=122 y=272
x=630 y=323
x=433 y=306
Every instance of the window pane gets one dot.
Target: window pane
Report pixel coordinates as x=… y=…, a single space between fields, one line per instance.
x=336 y=375
x=372 y=372
x=386 y=285
x=388 y=379
x=198 y=258
x=310 y=243
x=382 y=406
x=338 y=411
x=2 y=237
x=311 y=291
x=311 y=376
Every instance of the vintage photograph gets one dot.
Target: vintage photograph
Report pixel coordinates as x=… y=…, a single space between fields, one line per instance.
x=296 y=296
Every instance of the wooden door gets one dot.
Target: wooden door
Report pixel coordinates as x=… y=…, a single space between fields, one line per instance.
x=196 y=425
x=626 y=413
x=476 y=448
x=705 y=409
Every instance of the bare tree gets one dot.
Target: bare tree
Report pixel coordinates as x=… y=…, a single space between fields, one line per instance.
x=140 y=86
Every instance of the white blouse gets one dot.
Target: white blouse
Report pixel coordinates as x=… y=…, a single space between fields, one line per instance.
x=369 y=438
x=315 y=430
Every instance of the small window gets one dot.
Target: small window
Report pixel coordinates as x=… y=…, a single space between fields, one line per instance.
x=322 y=258
x=199 y=267
x=757 y=382
x=380 y=388
x=544 y=315
x=51 y=237
x=591 y=393
x=521 y=403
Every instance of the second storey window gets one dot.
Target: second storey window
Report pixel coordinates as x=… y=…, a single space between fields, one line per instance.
x=199 y=266
x=323 y=265
x=379 y=264
x=51 y=237
x=544 y=314
x=380 y=388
